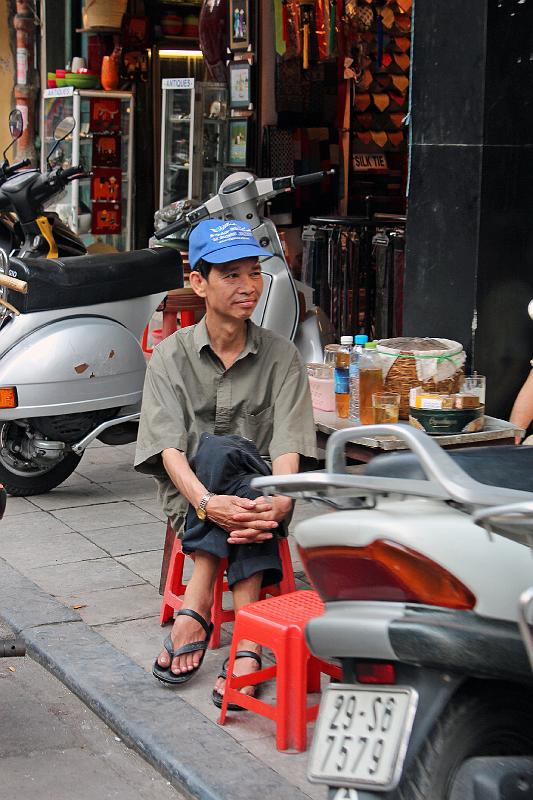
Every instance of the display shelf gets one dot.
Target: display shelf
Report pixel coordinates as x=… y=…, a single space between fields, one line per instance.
x=170 y=42
x=99 y=29
x=77 y=199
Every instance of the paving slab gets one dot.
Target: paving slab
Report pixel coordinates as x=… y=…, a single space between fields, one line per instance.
x=18 y=505
x=46 y=548
x=108 y=473
x=76 y=479
x=116 y=454
x=292 y=766
x=152 y=506
x=29 y=524
x=143 y=488
x=109 y=515
x=22 y=604
x=115 y=605
x=73 y=497
x=129 y=539
x=83 y=576
x=146 y=565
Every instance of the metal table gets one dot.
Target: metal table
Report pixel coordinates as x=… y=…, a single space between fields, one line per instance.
x=364 y=448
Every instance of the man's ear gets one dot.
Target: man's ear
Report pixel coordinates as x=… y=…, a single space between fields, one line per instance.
x=198 y=283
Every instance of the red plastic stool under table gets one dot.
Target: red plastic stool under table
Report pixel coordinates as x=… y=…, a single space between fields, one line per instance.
x=175 y=588
x=278 y=623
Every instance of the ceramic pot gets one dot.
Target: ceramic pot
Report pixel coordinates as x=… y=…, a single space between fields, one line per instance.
x=109 y=77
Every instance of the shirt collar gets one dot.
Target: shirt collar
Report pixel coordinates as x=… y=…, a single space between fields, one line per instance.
x=201 y=338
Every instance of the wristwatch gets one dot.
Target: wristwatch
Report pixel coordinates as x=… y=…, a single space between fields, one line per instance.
x=201 y=512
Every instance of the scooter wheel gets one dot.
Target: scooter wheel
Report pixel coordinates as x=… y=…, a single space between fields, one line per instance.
x=477 y=722
x=25 y=485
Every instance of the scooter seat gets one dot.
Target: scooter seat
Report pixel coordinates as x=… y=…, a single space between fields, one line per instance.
x=510 y=467
x=55 y=283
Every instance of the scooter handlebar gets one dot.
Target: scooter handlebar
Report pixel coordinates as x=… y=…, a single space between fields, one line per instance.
x=26 y=162
x=313 y=177
x=291 y=181
x=174 y=227
x=189 y=219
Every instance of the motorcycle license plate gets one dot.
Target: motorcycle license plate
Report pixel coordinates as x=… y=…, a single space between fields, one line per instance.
x=361 y=736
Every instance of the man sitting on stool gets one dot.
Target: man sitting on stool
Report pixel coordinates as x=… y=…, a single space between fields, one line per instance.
x=224 y=376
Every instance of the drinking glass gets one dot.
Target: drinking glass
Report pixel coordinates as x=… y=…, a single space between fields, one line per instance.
x=322 y=386
x=330 y=354
x=386 y=407
x=475 y=384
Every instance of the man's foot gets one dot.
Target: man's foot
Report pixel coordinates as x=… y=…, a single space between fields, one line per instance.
x=184 y=631
x=242 y=666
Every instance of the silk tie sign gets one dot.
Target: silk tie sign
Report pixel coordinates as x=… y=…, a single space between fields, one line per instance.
x=363 y=162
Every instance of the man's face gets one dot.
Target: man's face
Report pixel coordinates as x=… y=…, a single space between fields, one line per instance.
x=232 y=289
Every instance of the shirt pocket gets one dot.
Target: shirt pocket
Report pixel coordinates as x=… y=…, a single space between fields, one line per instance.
x=259 y=428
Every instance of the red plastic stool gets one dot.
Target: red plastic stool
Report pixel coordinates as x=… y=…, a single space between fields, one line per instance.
x=278 y=623
x=175 y=588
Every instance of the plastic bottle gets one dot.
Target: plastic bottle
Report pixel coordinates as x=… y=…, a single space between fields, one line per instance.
x=360 y=341
x=370 y=381
x=342 y=377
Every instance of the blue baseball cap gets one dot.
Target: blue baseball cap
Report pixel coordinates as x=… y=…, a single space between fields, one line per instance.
x=218 y=241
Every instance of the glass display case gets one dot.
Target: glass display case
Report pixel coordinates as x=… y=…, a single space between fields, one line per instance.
x=98 y=208
x=193 y=139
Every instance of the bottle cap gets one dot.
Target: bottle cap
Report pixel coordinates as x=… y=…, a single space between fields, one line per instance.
x=361 y=338
x=371 y=345
x=346 y=339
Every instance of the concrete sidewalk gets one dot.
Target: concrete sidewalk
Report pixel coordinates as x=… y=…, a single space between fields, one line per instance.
x=95 y=545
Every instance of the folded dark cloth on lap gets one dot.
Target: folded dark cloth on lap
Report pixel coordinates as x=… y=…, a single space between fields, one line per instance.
x=226 y=465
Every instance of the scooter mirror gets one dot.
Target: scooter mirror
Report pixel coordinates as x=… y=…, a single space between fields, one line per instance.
x=64 y=128
x=16 y=127
x=530 y=309
x=16 y=124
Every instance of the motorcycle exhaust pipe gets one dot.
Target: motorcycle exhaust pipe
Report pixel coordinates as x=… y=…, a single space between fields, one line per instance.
x=12 y=648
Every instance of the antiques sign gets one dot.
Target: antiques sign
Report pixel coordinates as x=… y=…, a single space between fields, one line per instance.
x=365 y=161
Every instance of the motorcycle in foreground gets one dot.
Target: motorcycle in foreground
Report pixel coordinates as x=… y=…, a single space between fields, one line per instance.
x=71 y=365
x=420 y=572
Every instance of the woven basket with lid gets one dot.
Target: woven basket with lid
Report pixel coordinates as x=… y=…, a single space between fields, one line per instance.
x=103 y=14
x=436 y=365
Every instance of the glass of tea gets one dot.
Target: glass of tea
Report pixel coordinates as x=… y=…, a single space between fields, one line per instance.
x=386 y=407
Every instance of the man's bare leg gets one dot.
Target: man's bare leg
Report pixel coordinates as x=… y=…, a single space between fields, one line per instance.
x=199 y=597
x=244 y=592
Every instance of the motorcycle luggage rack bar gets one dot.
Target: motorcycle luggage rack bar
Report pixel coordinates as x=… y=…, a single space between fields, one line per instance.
x=445 y=477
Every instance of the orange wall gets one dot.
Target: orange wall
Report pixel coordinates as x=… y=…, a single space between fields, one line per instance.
x=6 y=75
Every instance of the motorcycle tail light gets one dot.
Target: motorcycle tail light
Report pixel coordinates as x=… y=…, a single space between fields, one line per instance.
x=375 y=672
x=8 y=397
x=386 y=571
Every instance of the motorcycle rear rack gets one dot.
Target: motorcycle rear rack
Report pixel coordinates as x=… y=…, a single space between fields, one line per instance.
x=446 y=480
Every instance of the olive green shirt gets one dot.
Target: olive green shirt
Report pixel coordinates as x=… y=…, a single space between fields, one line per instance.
x=264 y=396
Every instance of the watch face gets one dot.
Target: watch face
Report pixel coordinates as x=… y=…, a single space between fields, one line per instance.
x=201 y=513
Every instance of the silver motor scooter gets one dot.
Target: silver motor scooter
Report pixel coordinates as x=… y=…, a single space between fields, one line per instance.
x=286 y=305
x=71 y=366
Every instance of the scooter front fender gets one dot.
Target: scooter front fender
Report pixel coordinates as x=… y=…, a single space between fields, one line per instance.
x=71 y=366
